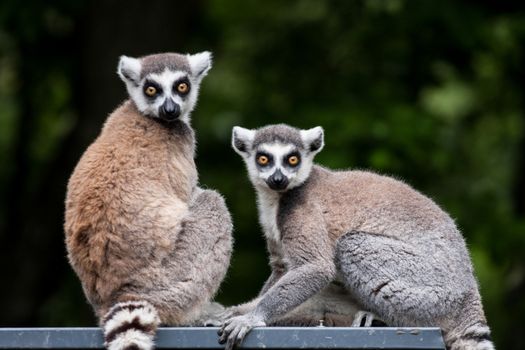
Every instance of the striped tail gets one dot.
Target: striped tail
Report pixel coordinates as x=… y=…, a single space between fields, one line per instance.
x=130 y=325
x=476 y=337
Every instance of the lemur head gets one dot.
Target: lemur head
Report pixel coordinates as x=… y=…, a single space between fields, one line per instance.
x=166 y=85
x=278 y=157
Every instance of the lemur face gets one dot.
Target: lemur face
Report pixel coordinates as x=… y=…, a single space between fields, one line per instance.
x=165 y=86
x=278 y=157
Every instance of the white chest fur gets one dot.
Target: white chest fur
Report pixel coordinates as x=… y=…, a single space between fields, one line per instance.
x=268 y=203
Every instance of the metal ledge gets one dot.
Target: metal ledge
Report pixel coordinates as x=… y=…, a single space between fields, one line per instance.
x=258 y=338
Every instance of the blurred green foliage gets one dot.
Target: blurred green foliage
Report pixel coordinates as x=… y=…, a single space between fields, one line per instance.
x=430 y=92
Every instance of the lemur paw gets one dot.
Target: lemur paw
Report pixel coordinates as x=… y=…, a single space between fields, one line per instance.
x=363 y=319
x=235 y=329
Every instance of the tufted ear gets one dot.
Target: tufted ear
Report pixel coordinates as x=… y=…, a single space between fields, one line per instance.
x=129 y=70
x=200 y=64
x=313 y=139
x=242 y=140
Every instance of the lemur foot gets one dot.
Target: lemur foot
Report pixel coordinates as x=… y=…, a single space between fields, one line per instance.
x=363 y=319
x=235 y=329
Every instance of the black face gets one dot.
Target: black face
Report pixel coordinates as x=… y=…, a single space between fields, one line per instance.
x=277 y=181
x=169 y=111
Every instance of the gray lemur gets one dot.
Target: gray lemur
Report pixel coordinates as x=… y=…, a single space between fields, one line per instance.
x=397 y=253
x=149 y=246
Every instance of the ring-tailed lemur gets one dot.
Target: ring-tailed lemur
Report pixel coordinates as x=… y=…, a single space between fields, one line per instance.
x=149 y=246
x=398 y=254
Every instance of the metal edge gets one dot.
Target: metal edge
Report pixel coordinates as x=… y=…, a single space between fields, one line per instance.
x=258 y=338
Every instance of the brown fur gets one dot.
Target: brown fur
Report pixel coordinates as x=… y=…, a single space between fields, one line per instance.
x=129 y=200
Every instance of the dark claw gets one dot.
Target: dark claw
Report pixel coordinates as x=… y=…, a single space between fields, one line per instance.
x=230 y=344
x=238 y=341
x=219 y=332
x=223 y=337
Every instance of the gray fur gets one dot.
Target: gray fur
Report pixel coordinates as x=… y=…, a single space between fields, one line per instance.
x=277 y=133
x=332 y=306
x=398 y=254
x=157 y=63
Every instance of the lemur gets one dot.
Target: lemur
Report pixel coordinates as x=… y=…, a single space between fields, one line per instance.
x=149 y=246
x=397 y=253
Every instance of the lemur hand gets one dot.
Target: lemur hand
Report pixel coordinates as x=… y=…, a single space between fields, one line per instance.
x=235 y=329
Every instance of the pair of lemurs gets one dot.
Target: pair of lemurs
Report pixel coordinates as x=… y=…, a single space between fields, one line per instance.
x=150 y=247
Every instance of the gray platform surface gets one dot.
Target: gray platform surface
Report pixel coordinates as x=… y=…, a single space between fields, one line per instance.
x=258 y=338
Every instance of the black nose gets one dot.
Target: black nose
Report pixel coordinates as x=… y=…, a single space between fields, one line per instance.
x=277 y=181
x=169 y=110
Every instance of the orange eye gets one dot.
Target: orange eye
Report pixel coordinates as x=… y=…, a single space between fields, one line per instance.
x=150 y=91
x=183 y=88
x=262 y=160
x=293 y=160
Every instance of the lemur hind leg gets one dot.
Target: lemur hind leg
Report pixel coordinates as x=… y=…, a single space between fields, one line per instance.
x=202 y=252
x=396 y=281
x=181 y=284
x=406 y=284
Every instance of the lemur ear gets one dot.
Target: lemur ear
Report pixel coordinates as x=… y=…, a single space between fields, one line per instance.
x=242 y=139
x=200 y=64
x=129 y=69
x=313 y=139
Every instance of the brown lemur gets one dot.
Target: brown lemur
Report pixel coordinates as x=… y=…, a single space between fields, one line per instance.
x=149 y=246
x=398 y=254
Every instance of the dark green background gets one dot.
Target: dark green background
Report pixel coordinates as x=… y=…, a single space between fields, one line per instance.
x=428 y=91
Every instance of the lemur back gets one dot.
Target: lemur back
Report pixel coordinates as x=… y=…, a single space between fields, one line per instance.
x=149 y=246
x=398 y=254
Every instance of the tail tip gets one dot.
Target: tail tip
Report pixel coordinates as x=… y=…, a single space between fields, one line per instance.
x=130 y=326
x=131 y=339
